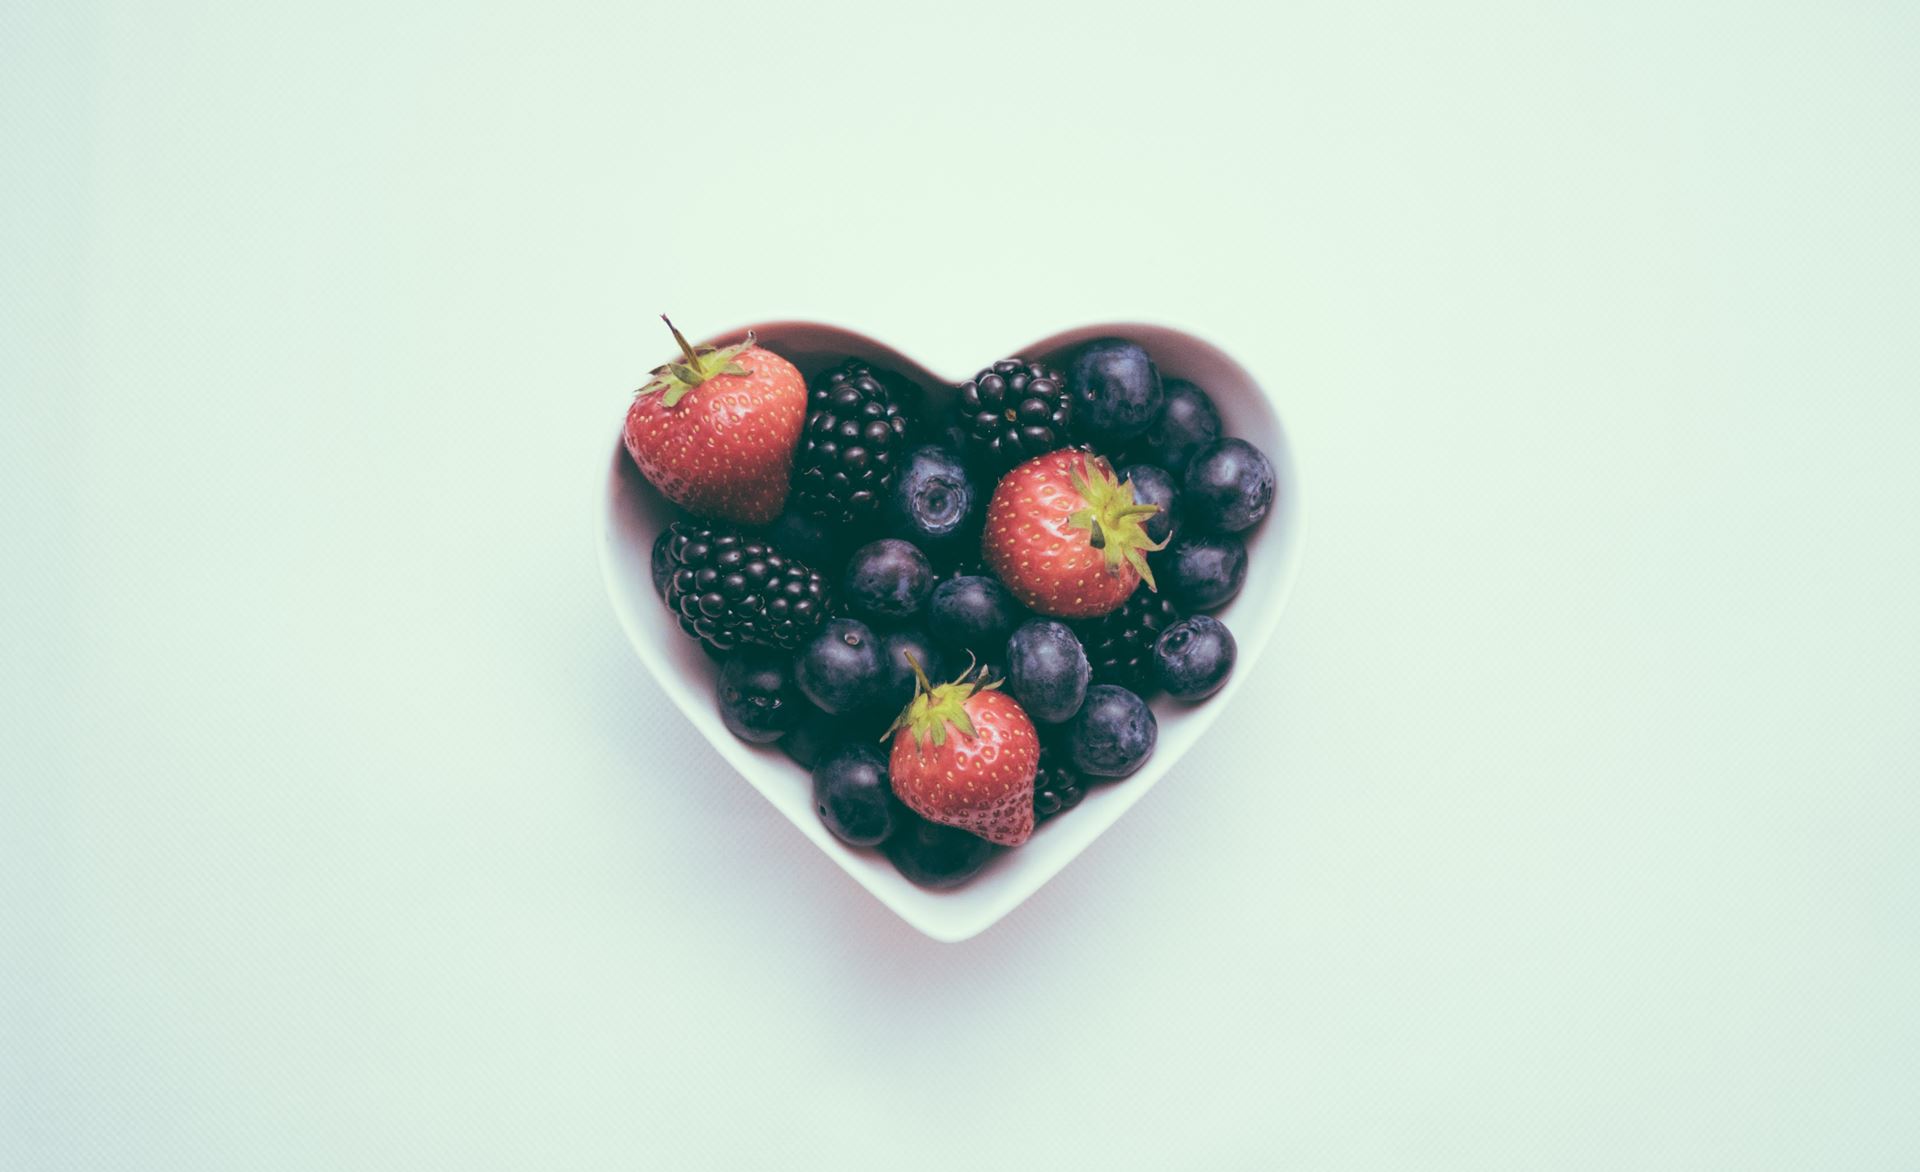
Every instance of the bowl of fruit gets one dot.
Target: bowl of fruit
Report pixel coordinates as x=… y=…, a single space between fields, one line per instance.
x=951 y=628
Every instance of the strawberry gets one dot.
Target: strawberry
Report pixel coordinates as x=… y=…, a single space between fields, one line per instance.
x=1067 y=537
x=964 y=755
x=716 y=432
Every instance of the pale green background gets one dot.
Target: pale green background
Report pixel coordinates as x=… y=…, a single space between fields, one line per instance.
x=1569 y=824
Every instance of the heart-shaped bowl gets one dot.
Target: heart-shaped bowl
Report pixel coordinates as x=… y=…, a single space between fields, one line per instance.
x=633 y=514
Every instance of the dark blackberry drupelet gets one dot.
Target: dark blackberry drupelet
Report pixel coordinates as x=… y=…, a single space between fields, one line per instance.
x=1056 y=787
x=728 y=589
x=1013 y=411
x=1120 y=645
x=854 y=431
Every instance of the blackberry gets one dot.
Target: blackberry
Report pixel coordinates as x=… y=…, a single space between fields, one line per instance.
x=1120 y=645
x=729 y=589
x=1013 y=411
x=1056 y=787
x=854 y=432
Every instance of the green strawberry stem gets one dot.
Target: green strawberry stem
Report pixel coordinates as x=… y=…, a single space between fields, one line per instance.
x=1115 y=525
x=936 y=706
x=685 y=346
x=701 y=363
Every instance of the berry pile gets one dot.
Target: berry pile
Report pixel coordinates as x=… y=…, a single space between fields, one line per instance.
x=957 y=638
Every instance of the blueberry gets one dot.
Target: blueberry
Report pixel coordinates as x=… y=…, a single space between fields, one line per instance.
x=810 y=539
x=933 y=855
x=1047 y=670
x=817 y=734
x=972 y=612
x=934 y=502
x=1229 y=486
x=1188 y=424
x=888 y=579
x=662 y=562
x=871 y=725
x=814 y=735
x=840 y=668
x=758 y=700
x=1203 y=571
x=1113 y=733
x=895 y=647
x=1154 y=485
x=1194 y=657
x=853 y=795
x=1116 y=390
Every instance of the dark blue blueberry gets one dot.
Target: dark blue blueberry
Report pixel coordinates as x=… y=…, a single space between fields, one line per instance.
x=895 y=647
x=1194 y=657
x=1154 y=485
x=933 y=855
x=840 y=668
x=1229 y=486
x=815 y=735
x=812 y=540
x=888 y=579
x=853 y=795
x=1116 y=390
x=1203 y=571
x=972 y=612
x=934 y=502
x=758 y=699
x=1188 y=424
x=1113 y=733
x=1047 y=670
x=870 y=724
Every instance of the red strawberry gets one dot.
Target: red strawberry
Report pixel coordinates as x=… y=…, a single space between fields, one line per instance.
x=964 y=754
x=1066 y=536
x=716 y=433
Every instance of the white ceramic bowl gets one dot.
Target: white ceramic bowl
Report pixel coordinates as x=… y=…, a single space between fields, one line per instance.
x=633 y=515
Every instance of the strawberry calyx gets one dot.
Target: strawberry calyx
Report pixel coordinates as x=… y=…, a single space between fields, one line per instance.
x=1114 y=523
x=698 y=364
x=936 y=706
